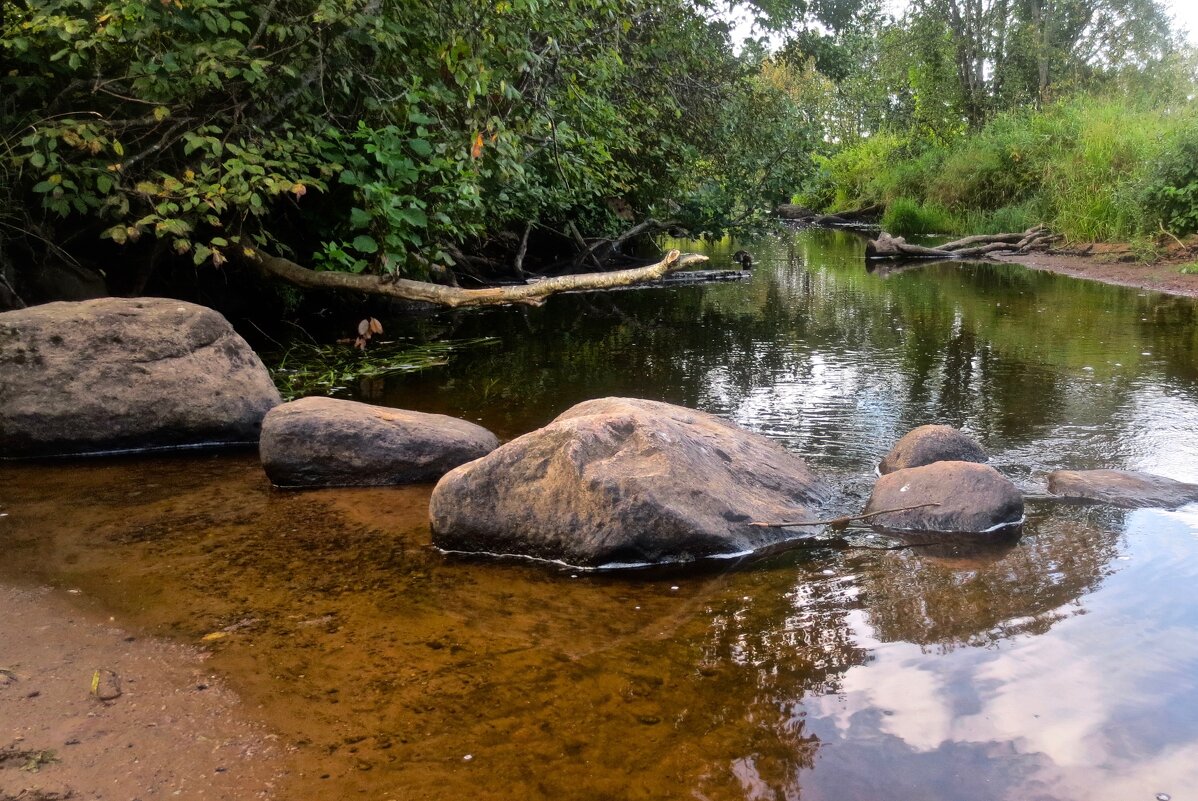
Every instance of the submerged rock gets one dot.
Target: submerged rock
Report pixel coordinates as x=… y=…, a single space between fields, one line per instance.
x=929 y=444
x=1123 y=488
x=972 y=498
x=323 y=442
x=126 y=374
x=620 y=480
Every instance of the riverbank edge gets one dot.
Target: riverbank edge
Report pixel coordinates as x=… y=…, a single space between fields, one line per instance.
x=90 y=709
x=1162 y=275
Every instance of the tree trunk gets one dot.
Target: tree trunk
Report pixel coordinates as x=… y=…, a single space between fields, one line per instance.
x=532 y=294
x=895 y=247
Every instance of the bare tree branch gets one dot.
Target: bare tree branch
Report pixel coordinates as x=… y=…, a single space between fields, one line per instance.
x=532 y=294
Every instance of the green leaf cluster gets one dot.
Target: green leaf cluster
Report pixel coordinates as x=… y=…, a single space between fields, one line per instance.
x=375 y=136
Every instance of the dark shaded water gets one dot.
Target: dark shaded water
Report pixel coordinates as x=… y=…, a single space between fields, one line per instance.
x=1062 y=666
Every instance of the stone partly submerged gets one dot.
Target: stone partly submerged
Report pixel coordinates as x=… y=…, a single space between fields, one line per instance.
x=625 y=481
x=1122 y=488
x=126 y=374
x=928 y=444
x=969 y=498
x=323 y=442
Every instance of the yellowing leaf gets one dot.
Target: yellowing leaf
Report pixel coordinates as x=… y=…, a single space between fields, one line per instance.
x=216 y=635
x=476 y=149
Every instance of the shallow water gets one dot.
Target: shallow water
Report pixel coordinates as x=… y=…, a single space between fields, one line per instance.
x=1063 y=665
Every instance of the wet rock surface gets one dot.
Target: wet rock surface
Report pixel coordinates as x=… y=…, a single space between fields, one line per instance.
x=620 y=480
x=324 y=442
x=126 y=374
x=971 y=498
x=928 y=444
x=1123 y=488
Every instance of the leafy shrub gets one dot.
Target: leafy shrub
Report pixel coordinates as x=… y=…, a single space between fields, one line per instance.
x=1171 y=186
x=358 y=135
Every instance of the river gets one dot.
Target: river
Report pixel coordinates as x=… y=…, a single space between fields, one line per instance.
x=1063 y=665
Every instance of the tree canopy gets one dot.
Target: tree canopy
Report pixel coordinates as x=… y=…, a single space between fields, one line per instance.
x=403 y=138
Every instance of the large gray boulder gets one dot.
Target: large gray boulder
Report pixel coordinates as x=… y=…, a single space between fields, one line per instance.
x=323 y=442
x=928 y=444
x=971 y=498
x=618 y=481
x=118 y=374
x=1123 y=488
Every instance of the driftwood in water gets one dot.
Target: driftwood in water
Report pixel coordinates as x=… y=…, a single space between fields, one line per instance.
x=533 y=293
x=868 y=215
x=895 y=247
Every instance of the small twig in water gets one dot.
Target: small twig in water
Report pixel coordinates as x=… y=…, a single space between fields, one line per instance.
x=838 y=523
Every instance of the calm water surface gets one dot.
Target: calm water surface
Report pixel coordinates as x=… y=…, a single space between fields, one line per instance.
x=1060 y=666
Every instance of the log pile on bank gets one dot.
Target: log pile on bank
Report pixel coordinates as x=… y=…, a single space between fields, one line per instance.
x=896 y=247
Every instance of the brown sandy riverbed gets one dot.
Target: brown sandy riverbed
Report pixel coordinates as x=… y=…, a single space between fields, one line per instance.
x=156 y=725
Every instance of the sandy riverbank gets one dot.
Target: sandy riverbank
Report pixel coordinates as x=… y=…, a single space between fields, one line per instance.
x=156 y=725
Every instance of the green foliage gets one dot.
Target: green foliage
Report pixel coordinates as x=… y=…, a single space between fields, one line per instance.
x=374 y=137
x=1171 y=186
x=1189 y=269
x=855 y=176
x=768 y=134
x=1090 y=168
x=1019 y=217
x=906 y=217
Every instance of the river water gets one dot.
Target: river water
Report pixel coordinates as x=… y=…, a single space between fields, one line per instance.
x=1063 y=665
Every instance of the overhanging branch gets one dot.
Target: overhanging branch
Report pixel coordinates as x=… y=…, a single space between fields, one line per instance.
x=532 y=294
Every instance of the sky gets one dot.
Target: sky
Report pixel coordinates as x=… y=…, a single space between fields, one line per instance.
x=1186 y=14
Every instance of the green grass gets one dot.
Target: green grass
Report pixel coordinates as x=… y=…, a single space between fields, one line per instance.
x=1189 y=269
x=906 y=217
x=1090 y=168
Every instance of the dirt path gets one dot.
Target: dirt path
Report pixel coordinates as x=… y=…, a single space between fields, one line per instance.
x=1161 y=276
x=168 y=729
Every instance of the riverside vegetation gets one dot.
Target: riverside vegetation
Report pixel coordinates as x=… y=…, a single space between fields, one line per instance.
x=149 y=146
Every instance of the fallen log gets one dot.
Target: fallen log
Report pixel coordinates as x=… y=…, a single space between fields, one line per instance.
x=896 y=247
x=532 y=294
x=856 y=218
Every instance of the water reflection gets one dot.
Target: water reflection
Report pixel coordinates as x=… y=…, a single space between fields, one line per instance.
x=1058 y=666
x=837 y=363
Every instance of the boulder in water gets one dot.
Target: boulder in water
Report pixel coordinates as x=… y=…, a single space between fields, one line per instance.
x=928 y=444
x=118 y=374
x=970 y=498
x=324 y=442
x=620 y=480
x=1124 y=488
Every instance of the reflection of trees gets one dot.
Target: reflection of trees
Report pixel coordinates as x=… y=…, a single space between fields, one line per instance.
x=994 y=347
x=976 y=595
x=1170 y=324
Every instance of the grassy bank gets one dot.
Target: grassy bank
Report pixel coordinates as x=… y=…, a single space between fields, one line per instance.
x=1092 y=169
